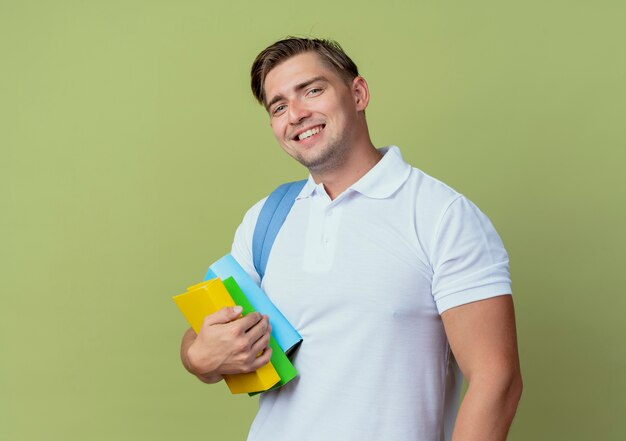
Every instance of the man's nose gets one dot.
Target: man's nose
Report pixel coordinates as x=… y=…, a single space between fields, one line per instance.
x=297 y=112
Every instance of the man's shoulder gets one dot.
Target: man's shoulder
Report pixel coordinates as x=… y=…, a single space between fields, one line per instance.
x=430 y=190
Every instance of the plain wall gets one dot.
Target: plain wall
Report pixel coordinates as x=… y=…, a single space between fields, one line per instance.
x=131 y=147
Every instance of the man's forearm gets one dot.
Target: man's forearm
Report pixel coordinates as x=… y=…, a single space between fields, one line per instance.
x=187 y=341
x=487 y=410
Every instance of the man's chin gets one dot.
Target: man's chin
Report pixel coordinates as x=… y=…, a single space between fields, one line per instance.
x=322 y=162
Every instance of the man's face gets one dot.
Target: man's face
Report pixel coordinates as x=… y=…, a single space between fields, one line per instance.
x=312 y=112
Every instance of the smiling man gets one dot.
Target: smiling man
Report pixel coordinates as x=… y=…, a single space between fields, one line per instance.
x=396 y=282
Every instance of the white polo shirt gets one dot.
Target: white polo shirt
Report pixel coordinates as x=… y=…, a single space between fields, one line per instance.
x=364 y=279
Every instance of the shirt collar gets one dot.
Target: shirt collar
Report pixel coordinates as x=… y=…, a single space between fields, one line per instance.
x=309 y=188
x=385 y=177
x=379 y=183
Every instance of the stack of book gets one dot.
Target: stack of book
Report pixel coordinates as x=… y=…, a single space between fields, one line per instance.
x=227 y=284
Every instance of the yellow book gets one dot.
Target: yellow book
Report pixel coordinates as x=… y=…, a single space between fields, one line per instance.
x=206 y=298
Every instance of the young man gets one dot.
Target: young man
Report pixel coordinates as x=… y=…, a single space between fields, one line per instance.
x=393 y=279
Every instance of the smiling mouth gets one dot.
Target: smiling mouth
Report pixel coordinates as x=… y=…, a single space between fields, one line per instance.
x=307 y=134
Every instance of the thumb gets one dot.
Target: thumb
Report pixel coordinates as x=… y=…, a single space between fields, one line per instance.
x=224 y=315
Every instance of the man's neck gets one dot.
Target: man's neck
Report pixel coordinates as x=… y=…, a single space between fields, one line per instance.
x=357 y=164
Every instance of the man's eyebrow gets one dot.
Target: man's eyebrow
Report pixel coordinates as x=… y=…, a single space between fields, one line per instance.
x=297 y=88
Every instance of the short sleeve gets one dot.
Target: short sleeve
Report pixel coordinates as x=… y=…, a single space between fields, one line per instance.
x=242 y=243
x=469 y=260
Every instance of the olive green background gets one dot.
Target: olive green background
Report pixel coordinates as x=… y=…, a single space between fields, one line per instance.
x=131 y=148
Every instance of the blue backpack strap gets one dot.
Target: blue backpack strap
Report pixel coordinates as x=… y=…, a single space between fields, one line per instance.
x=271 y=219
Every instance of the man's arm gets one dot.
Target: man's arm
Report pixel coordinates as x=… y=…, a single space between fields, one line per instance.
x=483 y=340
x=226 y=344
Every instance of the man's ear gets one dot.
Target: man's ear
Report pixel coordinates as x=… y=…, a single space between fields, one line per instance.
x=361 y=93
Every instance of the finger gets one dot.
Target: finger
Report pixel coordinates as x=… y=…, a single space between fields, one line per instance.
x=224 y=315
x=262 y=360
x=260 y=345
x=259 y=330
x=247 y=322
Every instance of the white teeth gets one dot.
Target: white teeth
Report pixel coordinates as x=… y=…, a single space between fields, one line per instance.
x=309 y=132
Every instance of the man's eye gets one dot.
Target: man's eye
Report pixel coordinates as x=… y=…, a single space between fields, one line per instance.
x=315 y=91
x=278 y=109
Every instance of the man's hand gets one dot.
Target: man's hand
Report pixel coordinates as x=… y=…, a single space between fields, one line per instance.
x=227 y=344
